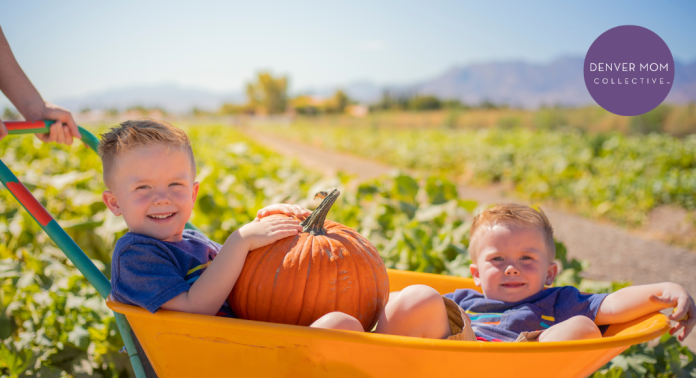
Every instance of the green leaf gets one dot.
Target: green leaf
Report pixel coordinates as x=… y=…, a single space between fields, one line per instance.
x=405 y=188
x=79 y=337
x=469 y=205
x=440 y=190
x=16 y=362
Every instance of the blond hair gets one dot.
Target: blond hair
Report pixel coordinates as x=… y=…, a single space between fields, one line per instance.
x=511 y=213
x=138 y=133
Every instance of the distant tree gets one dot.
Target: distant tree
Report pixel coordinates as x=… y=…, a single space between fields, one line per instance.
x=383 y=104
x=111 y=112
x=145 y=111
x=304 y=104
x=196 y=112
x=419 y=103
x=268 y=94
x=392 y=102
x=85 y=109
x=340 y=101
x=487 y=104
x=454 y=104
x=160 y=110
x=140 y=109
x=234 y=109
x=10 y=115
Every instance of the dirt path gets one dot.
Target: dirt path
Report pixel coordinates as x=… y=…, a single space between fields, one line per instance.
x=613 y=253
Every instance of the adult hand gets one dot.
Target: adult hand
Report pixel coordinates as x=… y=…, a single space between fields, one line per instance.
x=63 y=129
x=3 y=130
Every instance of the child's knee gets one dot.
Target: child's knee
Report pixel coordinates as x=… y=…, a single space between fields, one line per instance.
x=338 y=320
x=580 y=328
x=417 y=310
x=585 y=327
x=417 y=298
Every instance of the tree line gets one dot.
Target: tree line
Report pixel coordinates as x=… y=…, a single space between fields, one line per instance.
x=268 y=95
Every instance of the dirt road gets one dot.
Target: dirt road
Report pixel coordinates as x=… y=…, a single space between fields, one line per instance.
x=613 y=253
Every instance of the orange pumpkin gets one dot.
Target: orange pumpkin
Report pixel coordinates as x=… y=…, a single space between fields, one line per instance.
x=327 y=267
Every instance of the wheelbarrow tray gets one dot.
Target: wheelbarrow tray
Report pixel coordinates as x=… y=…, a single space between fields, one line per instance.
x=189 y=345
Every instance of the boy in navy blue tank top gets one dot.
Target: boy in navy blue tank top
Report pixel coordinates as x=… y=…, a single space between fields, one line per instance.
x=512 y=252
x=150 y=173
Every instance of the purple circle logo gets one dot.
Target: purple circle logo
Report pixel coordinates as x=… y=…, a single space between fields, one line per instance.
x=629 y=70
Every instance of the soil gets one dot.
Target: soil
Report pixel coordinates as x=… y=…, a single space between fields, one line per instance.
x=614 y=254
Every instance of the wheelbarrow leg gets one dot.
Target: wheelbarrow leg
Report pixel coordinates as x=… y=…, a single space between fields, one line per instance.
x=147 y=366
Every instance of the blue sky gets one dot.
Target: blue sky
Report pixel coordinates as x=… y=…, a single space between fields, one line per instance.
x=73 y=47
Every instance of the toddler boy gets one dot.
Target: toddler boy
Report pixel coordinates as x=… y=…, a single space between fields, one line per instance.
x=512 y=252
x=150 y=173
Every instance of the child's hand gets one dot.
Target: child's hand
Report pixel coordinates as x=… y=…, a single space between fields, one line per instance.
x=263 y=232
x=283 y=208
x=684 y=309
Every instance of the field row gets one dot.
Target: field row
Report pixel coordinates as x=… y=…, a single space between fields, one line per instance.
x=611 y=175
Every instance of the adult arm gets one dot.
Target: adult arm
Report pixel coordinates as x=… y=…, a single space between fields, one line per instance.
x=635 y=301
x=22 y=93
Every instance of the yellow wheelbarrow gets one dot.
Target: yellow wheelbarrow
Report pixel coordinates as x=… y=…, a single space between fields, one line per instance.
x=188 y=345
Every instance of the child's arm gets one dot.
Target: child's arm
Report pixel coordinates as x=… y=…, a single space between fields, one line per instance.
x=633 y=302
x=209 y=292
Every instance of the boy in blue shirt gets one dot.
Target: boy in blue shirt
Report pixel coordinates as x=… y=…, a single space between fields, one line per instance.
x=150 y=173
x=512 y=252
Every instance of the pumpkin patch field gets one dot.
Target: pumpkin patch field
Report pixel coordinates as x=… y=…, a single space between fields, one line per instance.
x=611 y=175
x=53 y=323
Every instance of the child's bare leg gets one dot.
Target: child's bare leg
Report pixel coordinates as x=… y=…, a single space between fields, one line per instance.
x=416 y=311
x=338 y=320
x=575 y=328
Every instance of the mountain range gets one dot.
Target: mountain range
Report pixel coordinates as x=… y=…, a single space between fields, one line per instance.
x=515 y=83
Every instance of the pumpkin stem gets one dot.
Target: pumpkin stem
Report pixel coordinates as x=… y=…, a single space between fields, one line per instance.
x=314 y=224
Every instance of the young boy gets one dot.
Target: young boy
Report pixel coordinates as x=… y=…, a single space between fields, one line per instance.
x=150 y=173
x=512 y=252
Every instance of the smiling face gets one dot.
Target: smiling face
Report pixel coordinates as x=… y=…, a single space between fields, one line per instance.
x=513 y=262
x=154 y=189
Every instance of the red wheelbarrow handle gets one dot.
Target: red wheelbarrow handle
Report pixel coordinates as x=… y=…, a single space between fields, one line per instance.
x=28 y=127
x=44 y=127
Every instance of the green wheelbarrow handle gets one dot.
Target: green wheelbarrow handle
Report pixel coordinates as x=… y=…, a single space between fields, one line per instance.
x=44 y=127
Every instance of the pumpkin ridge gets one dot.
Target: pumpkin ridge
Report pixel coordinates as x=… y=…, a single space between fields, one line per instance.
x=305 y=311
x=373 y=258
x=355 y=257
x=364 y=287
x=294 y=299
x=299 y=299
x=371 y=293
x=272 y=269
x=327 y=256
x=286 y=284
x=254 y=283
x=246 y=276
x=346 y=281
x=337 y=264
x=329 y=273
